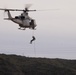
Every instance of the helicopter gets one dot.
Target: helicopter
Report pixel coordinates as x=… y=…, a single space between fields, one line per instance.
x=23 y=20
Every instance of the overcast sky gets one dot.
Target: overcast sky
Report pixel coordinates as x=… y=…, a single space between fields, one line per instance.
x=55 y=32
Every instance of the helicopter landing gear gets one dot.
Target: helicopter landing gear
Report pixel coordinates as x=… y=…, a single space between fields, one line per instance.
x=21 y=29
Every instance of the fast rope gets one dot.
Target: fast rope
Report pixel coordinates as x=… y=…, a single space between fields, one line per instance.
x=33 y=40
x=34 y=44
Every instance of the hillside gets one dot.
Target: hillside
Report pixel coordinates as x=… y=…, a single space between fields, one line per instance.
x=20 y=65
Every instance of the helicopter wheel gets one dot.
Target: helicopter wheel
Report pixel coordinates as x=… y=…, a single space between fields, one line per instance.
x=19 y=28
x=24 y=29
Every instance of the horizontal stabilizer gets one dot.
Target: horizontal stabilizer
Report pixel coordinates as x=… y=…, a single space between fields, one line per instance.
x=7 y=19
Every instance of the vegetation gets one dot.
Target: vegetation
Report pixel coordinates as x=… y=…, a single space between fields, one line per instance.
x=20 y=65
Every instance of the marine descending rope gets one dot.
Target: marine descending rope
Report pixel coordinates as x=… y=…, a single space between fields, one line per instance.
x=33 y=39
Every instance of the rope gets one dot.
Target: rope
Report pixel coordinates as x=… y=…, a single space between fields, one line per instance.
x=33 y=33
x=34 y=49
x=34 y=46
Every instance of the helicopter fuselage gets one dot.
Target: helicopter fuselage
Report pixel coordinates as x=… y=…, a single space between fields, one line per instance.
x=23 y=20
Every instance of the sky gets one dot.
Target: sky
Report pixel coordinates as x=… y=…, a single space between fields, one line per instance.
x=55 y=32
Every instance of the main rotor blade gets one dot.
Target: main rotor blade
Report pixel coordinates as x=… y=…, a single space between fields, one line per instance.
x=27 y=10
x=15 y=9
x=47 y=9
x=28 y=6
x=11 y=9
